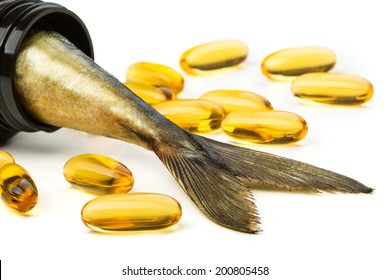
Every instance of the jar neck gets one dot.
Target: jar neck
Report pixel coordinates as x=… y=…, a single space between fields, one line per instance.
x=17 y=19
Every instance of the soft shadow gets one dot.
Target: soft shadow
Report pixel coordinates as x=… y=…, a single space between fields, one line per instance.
x=168 y=230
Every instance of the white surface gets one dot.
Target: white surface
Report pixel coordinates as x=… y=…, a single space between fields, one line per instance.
x=305 y=236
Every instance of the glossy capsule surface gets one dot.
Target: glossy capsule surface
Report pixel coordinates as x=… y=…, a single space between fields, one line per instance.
x=213 y=57
x=333 y=88
x=287 y=64
x=193 y=115
x=150 y=94
x=98 y=174
x=238 y=100
x=132 y=211
x=5 y=158
x=18 y=189
x=273 y=127
x=157 y=75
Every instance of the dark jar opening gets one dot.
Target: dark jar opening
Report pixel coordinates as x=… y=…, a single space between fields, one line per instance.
x=17 y=19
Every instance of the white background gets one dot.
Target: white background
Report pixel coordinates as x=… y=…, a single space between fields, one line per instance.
x=305 y=236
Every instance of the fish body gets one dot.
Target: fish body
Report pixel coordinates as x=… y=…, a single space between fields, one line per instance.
x=59 y=85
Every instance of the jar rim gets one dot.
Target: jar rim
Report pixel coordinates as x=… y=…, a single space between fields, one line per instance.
x=17 y=19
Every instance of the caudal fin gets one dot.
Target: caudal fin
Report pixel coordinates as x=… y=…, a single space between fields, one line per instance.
x=215 y=175
x=276 y=171
x=215 y=190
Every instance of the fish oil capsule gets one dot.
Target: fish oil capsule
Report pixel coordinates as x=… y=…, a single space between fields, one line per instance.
x=213 y=57
x=18 y=189
x=332 y=88
x=273 y=127
x=238 y=100
x=98 y=174
x=150 y=94
x=287 y=64
x=193 y=115
x=157 y=75
x=5 y=158
x=131 y=211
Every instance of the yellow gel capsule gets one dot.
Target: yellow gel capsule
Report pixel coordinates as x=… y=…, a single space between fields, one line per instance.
x=5 y=158
x=193 y=115
x=150 y=94
x=287 y=64
x=238 y=100
x=214 y=56
x=98 y=174
x=131 y=211
x=273 y=127
x=18 y=189
x=332 y=88
x=156 y=75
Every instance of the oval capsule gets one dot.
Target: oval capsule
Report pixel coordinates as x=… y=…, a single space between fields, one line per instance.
x=150 y=94
x=132 y=211
x=237 y=100
x=18 y=189
x=273 y=127
x=157 y=75
x=5 y=158
x=193 y=115
x=287 y=64
x=98 y=174
x=333 y=88
x=214 y=56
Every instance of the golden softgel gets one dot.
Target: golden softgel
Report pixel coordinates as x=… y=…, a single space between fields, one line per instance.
x=193 y=115
x=18 y=189
x=237 y=100
x=333 y=88
x=98 y=174
x=132 y=211
x=272 y=127
x=157 y=75
x=287 y=64
x=213 y=57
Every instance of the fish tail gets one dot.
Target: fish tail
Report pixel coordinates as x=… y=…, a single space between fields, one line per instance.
x=217 y=192
x=216 y=177
x=270 y=170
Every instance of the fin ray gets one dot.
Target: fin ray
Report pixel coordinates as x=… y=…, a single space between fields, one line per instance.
x=216 y=177
x=216 y=191
x=276 y=171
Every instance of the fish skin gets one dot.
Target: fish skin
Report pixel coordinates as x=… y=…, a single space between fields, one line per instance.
x=59 y=85
x=51 y=72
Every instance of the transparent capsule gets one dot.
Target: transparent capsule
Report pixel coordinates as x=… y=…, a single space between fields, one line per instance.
x=332 y=88
x=132 y=211
x=5 y=158
x=18 y=189
x=237 y=100
x=273 y=127
x=193 y=115
x=213 y=57
x=98 y=174
x=156 y=75
x=150 y=94
x=287 y=64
